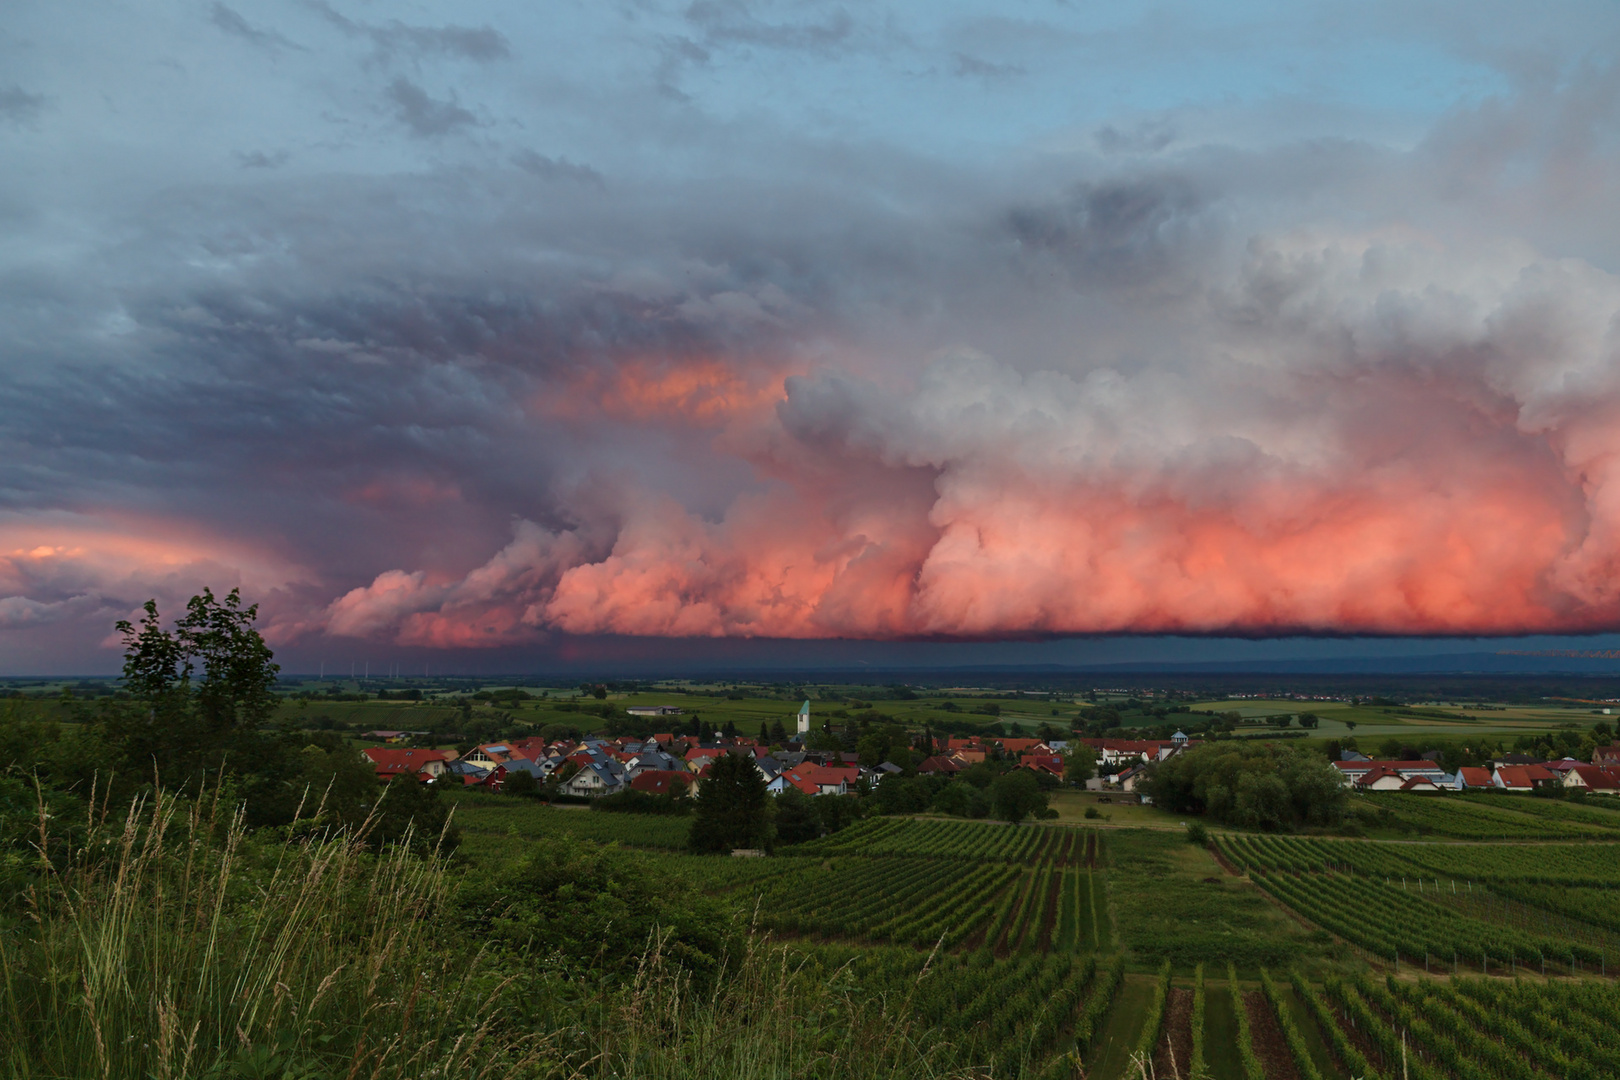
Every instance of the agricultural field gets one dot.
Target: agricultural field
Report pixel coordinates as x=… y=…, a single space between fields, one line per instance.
x=1487 y=816
x=1042 y=950
x=1341 y=719
x=1546 y=909
x=1294 y=960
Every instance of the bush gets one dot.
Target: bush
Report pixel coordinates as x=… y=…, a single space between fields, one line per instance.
x=640 y=802
x=574 y=902
x=1197 y=835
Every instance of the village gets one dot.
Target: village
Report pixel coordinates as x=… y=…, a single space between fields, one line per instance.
x=676 y=765
x=671 y=764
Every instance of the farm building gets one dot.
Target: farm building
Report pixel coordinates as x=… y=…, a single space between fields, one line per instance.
x=422 y=764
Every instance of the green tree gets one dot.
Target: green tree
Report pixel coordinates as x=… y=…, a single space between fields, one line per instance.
x=796 y=817
x=732 y=808
x=1308 y=720
x=1017 y=796
x=1079 y=764
x=873 y=748
x=961 y=800
x=198 y=691
x=1265 y=787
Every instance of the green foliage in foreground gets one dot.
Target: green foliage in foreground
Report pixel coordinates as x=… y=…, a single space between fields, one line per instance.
x=175 y=944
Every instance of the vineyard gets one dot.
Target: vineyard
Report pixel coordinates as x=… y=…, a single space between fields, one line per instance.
x=938 y=883
x=1032 y=950
x=1447 y=907
x=1051 y=952
x=1494 y=817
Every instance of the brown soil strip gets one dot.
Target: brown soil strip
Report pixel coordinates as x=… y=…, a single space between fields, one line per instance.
x=1014 y=922
x=1269 y=1043
x=1221 y=858
x=1043 y=940
x=1177 y=1035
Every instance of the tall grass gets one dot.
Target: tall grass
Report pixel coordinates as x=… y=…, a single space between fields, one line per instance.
x=170 y=944
x=768 y=1016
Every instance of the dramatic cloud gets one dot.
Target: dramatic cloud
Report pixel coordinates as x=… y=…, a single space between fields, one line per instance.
x=845 y=331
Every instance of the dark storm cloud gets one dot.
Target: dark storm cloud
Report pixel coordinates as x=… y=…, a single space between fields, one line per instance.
x=972 y=67
x=18 y=106
x=230 y=21
x=550 y=168
x=481 y=44
x=734 y=21
x=1120 y=232
x=1147 y=137
x=258 y=159
x=426 y=116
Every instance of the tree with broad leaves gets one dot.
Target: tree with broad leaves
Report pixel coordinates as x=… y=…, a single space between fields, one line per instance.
x=198 y=688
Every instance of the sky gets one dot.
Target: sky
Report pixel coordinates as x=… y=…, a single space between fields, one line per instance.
x=500 y=335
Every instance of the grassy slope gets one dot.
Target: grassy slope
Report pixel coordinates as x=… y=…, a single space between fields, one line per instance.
x=1220 y=1032
x=1110 y=1056
x=1172 y=899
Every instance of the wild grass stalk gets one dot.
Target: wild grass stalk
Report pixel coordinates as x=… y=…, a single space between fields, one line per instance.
x=170 y=944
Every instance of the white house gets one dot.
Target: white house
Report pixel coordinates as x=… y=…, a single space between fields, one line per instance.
x=596 y=779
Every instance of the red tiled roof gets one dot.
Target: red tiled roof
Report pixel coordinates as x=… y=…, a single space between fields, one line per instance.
x=390 y=762
x=1523 y=776
x=658 y=781
x=1475 y=777
x=938 y=765
x=1375 y=774
x=1051 y=763
x=1597 y=777
x=811 y=778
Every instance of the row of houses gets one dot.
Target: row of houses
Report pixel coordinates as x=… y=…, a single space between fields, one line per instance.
x=1426 y=777
x=664 y=762
x=657 y=765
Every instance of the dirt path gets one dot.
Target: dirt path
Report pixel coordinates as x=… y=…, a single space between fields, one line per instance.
x=1049 y=912
x=1269 y=1043
x=1177 y=1036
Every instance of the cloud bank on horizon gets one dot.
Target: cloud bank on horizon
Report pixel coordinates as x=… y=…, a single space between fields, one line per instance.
x=504 y=325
